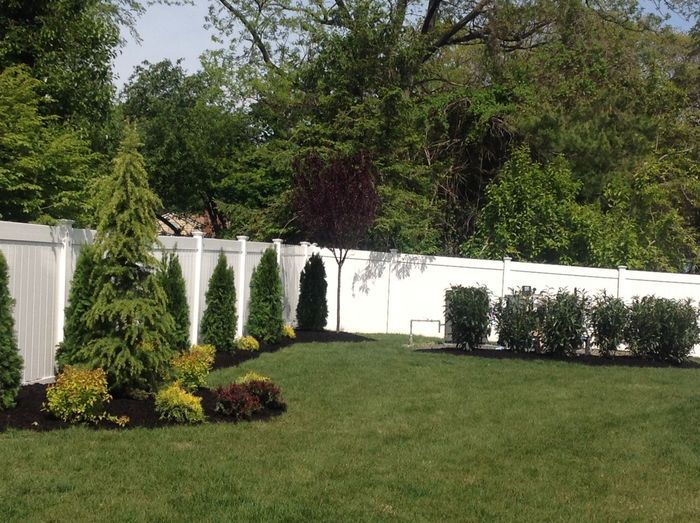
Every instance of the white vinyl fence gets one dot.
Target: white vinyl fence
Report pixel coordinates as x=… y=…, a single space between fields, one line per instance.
x=381 y=292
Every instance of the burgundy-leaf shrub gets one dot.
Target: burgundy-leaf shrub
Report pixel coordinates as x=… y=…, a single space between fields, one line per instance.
x=267 y=393
x=236 y=401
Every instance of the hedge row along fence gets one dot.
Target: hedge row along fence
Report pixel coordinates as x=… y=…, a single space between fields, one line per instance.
x=564 y=323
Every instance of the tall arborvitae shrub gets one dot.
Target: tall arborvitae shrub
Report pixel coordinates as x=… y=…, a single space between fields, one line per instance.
x=312 y=309
x=219 y=320
x=174 y=286
x=265 y=316
x=76 y=332
x=130 y=323
x=10 y=360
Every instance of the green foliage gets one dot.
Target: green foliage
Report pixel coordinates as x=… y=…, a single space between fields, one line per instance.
x=562 y=322
x=468 y=310
x=219 y=319
x=251 y=376
x=174 y=286
x=76 y=331
x=10 y=360
x=312 y=308
x=130 y=323
x=516 y=316
x=175 y=404
x=192 y=368
x=80 y=396
x=45 y=168
x=662 y=329
x=247 y=343
x=288 y=332
x=609 y=318
x=265 y=317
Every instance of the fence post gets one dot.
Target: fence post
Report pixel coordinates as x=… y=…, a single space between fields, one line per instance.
x=241 y=284
x=197 y=286
x=65 y=236
x=392 y=256
x=278 y=248
x=621 y=276
x=506 y=276
x=305 y=245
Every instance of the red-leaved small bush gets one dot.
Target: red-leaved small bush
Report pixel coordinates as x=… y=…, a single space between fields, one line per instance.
x=268 y=394
x=236 y=401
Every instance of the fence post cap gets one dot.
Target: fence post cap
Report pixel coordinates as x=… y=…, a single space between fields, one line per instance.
x=197 y=233
x=65 y=223
x=507 y=258
x=621 y=267
x=277 y=240
x=393 y=251
x=242 y=238
x=304 y=244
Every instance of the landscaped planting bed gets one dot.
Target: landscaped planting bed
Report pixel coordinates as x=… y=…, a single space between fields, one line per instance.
x=30 y=414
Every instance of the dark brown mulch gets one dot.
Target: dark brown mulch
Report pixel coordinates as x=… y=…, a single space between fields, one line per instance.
x=619 y=360
x=28 y=414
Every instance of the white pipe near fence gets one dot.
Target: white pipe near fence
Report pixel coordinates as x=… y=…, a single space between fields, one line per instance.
x=381 y=292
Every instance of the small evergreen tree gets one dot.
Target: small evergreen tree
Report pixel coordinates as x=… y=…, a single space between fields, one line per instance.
x=130 y=323
x=10 y=360
x=174 y=286
x=219 y=320
x=312 y=309
x=265 y=317
x=76 y=332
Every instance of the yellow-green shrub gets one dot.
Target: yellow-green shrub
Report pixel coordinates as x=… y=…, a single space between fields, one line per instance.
x=192 y=368
x=251 y=376
x=173 y=403
x=288 y=332
x=247 y=343
x=79 y=396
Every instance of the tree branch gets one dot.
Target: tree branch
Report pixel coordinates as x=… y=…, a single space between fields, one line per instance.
x=430 y=15
x=446 y=37
x=257 y=40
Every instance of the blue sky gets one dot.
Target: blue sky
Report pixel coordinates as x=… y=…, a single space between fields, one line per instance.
x=178 y=32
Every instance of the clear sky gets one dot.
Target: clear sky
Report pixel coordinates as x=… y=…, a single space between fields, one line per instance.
x=166 y=32
x=178 y=32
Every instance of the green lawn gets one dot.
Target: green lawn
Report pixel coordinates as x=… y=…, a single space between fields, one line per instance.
x=375 y=431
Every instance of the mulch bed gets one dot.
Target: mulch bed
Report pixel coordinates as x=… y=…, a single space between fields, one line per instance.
x=28 y=413
x=621 y=359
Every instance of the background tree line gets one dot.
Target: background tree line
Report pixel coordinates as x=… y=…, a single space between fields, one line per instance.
x=564 y=131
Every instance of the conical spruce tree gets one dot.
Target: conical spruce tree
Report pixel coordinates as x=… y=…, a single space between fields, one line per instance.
x=130 y=323
x=312 y=309
x=219 y=320
x=10 y=360
x=174 y=285
x=265 y=316
x=76 y=332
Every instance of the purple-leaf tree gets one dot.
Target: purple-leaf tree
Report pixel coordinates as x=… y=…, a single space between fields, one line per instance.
x=336 y=201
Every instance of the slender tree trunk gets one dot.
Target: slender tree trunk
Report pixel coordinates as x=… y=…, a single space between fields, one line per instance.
x=337 y=295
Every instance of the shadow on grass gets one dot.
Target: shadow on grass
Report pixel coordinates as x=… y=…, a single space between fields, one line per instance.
x=581 y=359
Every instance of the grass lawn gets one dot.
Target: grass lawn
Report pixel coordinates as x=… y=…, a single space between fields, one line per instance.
x=375 y=431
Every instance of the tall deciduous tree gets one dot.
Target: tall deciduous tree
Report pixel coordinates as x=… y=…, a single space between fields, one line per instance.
x=130 y=322
x=10 y=360
x=336 y=200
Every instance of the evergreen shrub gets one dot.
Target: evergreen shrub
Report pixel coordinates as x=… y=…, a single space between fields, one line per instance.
x=219 y=319
x=265 y=317
x=10 y=360
x=312 y=309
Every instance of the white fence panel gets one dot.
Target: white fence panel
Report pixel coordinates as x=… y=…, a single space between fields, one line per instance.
x=381 y=292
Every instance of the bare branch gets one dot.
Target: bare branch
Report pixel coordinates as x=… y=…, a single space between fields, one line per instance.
x=257 y=40
x=447 y=36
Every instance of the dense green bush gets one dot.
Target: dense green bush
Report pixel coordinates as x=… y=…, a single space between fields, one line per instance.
x=76 y=331
x=608 y=321
x=10 y=360
x=662 y=329
x=265 y=316
x=174 y=286
x=468 y=310
x=219 y=320
x=80 y=396
x=562 y=322
x=247 y=343
x=173 y=403
x=312 y=309
x=516 y=317
x=192 y=368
